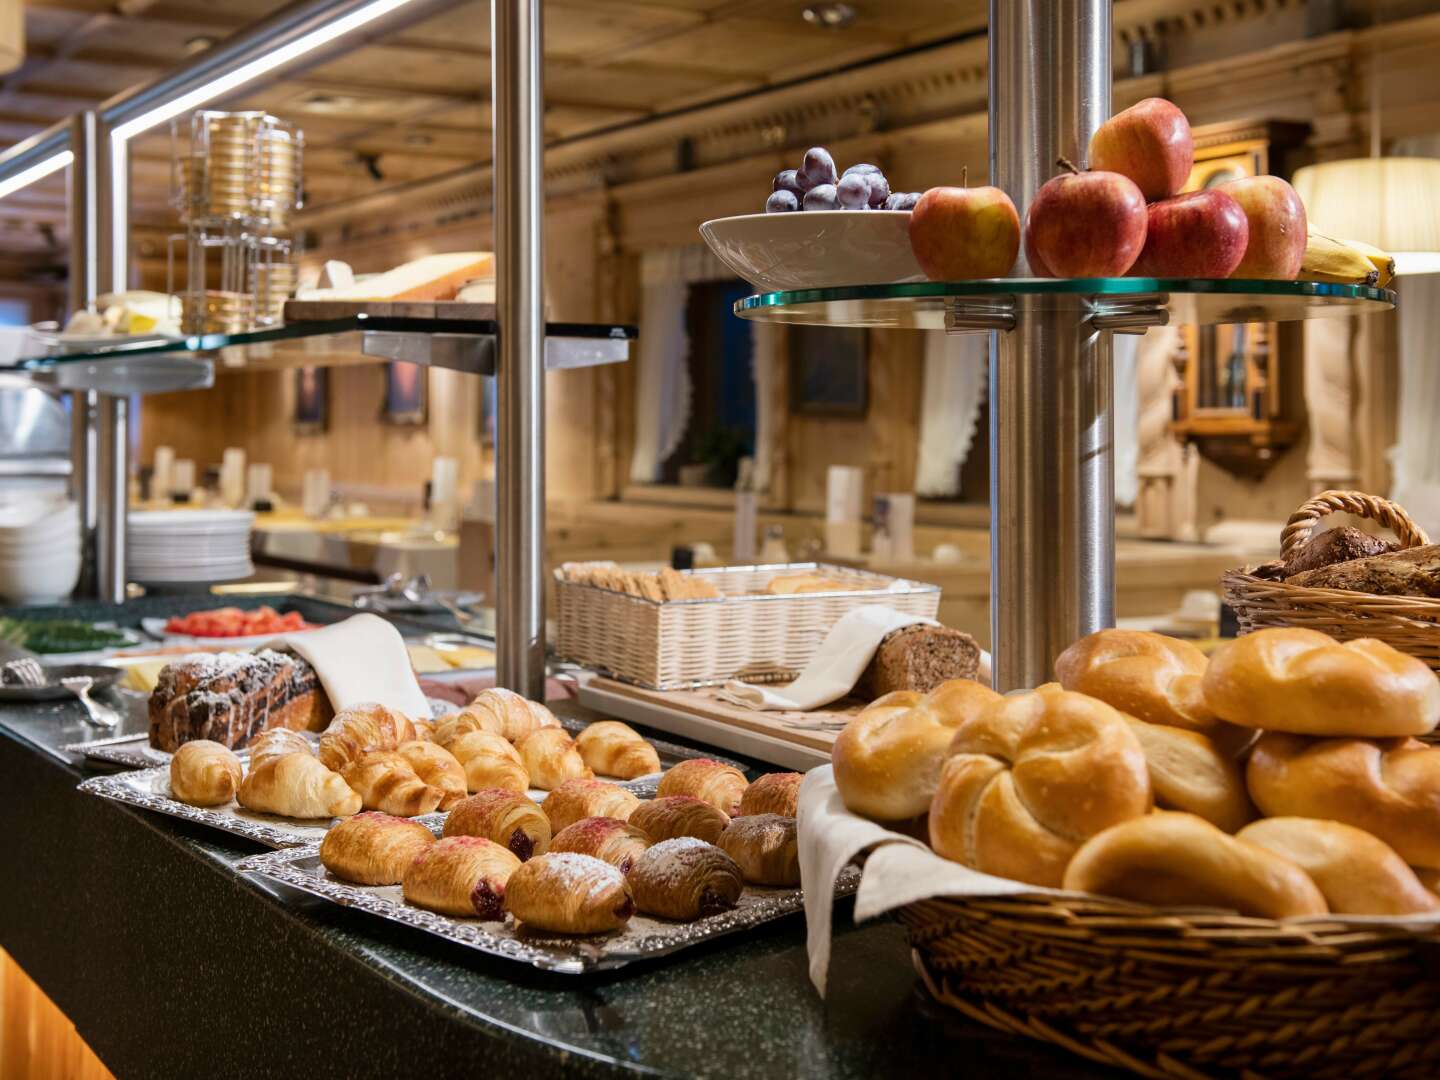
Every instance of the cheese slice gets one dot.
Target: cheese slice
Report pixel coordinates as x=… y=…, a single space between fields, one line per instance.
x=434 y=277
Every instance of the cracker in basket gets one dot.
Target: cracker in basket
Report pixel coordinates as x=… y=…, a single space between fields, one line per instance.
x=649 y=587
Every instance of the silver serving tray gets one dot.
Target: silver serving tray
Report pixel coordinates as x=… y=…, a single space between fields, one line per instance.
x=644 y=938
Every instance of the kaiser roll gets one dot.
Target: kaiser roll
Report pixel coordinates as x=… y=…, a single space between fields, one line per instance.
x=887 y=759
x=1030 y=778
x=1388 y=787
x=1358 y=874
x=1180 y=860
x=1149 y=676
x=1307 y=683
x=1189 y=772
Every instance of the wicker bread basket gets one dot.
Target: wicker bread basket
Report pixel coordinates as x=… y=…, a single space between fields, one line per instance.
x=1408 y=623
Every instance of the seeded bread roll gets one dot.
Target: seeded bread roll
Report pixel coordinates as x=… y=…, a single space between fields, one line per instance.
x=920 y=657
x=1333 y=546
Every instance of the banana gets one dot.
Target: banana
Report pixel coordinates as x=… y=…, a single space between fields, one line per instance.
x=1383 y=261
x=1331 y=260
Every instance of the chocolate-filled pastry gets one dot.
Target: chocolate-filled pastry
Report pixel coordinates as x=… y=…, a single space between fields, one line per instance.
x=373 y=849
x=679 y=815
x=616 y=842
x=489 y=762
x=722 y=786
x=204 y=773
x=437 y=767
x=507 y=818
x=386 y=782
x=567 y=893
x=773 y=793
x=576 y=799
x=550 y=757
x=685 y=879
x=277 y=742
x=764 y=846
x=611 y=748
x=360 y=729
x=297 y=786
x=464 y=876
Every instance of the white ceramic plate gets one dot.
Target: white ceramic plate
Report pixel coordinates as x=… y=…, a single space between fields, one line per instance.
x=816 y=249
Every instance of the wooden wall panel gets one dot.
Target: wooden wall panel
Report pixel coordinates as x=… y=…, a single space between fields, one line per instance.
x=37 y=1040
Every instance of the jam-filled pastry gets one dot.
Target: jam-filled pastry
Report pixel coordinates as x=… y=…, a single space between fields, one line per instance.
x=437 y=767
x=386 y=782
x=685 y=879
x=576 y=799
x=720 y=785
x=297 y=786
x=489 y=762
x=679 y=815
x=277 y=742
x=464 y=876
x=611 y=748
x=204 y=773
x=764 y=847
x=504 y=817
x=566 y=893
x=616 y=842
x=373 y=849
x=360 y=729
x=550 y=758
x=773 y=793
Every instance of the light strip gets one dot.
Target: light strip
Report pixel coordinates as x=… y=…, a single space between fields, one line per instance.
x=232 y=80
x=38 y=171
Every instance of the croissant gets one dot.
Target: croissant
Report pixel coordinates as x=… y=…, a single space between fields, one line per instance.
x=685 y=879
x=204 y=773
x=276 y=742
x=722 y=786
x=424 y=730
x=611 y=748
x=550 y=758
x=373 y=849
x=489 y=762
x=773 y=793
x=437 y=767
x=566 y=893
x=297 y=786
x=607 y=838
x=452 y=725
x=506 y=818
x=358 y=730
x=764 y=846
x=576 y=799
x=463 y=876
x=679 y=815
x=386 y=782
x=516 y=716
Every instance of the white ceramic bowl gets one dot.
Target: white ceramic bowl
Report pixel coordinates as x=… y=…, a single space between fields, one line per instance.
x=35 y=518
x=41 y=580
x=816 y=249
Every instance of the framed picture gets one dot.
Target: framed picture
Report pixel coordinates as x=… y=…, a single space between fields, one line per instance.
x=404 y=393
x=312 y=400
x=829 y=371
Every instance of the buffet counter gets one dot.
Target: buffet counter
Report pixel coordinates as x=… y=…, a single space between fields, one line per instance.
x=171 y=964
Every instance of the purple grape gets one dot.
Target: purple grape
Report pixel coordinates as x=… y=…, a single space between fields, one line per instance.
x=781 y=202
x=862 y=168
x=879 y=189
x=822 y=197
x=853 y=191
x=818 y=168
x=901 y=200
x=785 y=181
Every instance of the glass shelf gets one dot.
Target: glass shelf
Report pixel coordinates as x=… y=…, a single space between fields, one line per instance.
x=1114 y=303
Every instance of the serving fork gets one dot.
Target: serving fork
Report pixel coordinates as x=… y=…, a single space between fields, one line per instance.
x=25 y=672
x=101 y=716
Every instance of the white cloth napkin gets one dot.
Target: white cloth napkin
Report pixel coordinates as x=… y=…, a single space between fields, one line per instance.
x=834 y=669
x=359 y=660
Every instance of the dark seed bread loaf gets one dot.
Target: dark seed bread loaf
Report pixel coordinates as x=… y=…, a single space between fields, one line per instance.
x=1335 y=546
x=1412 y=572
x=920 y=658
x=230 y=698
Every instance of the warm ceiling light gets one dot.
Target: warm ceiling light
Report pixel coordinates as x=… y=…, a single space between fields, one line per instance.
x=830 y=16
x=1391 y=202
x=12 y=35
x=198 y=44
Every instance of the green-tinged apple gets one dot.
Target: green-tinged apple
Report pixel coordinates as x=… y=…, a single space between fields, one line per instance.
x=958 y=233
x=1199 y=235
x=1084 y=224
x=1151 y=143
x=1276 y=246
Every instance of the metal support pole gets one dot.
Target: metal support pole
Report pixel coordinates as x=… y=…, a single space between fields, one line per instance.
x=114 y=496
x=1052 y=496
x=517 y=96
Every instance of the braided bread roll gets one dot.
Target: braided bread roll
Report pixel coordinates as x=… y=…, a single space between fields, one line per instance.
x=276 y=742
x=490 y=762
x=386 y=782
x=609 y=839
x=671 y=816
x=464 y=876
x=204 y=773
x=576 y=799
x=516 y=716
x=1189 y=772
x=1149 y=676
x=685 y=879
x=437 y=767
x=297 y=786
x=569 y=893
x=452 y=725
x=611 y=748
x=356 y=731
x=765 y=847
x=550 y=757
x=772 y=793
x=373 y=849
x=507 y=818
x=722 y=786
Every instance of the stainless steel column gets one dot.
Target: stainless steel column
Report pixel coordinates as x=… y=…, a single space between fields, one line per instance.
x=1052 y=498
x=517 y=98
x=114 y=496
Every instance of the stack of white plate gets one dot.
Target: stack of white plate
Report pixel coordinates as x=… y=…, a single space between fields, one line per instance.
x=39 y=550
x=182 y=546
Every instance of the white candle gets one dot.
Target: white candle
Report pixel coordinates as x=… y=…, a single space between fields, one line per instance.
x=232 y=476
x=257 y=483
x=315 y=495
x=444 y=492
x=182 y=477
x=162 y=474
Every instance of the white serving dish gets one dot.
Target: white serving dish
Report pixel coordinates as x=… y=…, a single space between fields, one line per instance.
x=39 y=579
x=816 y=249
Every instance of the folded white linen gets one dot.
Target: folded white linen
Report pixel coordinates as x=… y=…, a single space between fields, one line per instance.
x=359 y=660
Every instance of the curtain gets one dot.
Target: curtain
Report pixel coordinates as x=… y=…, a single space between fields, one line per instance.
x=954 y=389
x=1127 y=418
x=1416 y=457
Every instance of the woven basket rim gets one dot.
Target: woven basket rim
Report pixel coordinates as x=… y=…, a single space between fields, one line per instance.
x=896 y=585
x=1309 y=595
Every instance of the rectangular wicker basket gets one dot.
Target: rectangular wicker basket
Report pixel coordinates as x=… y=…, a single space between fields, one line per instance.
x=683 y=644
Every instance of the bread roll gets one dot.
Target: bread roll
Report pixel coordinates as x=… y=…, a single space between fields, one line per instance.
x=1388 y=787
x=1358 y=874
x=1180 y=860
x=204 y=773
x=1307 y=683
x=887 y=760
x=1031 y=778
x=373 y=849
x=1149 y=676
x=1189 y=772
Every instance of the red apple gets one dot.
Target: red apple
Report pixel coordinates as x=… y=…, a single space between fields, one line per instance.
x=1199 y=235
x=1277 y=227
x=1084 y=224
x=963 y=232
x=1150 y=142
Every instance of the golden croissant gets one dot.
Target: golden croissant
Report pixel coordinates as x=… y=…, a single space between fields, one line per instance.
x=297 y=786
x=358 y=730
x=611 y=748
x=386 y=782
x=204 y=773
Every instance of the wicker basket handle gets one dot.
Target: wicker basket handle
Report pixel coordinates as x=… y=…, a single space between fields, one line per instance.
x=1301 y=526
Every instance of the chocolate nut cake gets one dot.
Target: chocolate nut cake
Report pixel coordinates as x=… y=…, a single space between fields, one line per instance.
x=232 y=697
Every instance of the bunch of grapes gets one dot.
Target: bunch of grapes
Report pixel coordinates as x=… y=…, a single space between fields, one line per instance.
x=814 y=186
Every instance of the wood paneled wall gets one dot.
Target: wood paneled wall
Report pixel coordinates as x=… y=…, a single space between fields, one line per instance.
x=37 y=1040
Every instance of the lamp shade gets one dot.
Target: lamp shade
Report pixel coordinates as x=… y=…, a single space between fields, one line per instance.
x=1391 y=202
x=12 y=35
